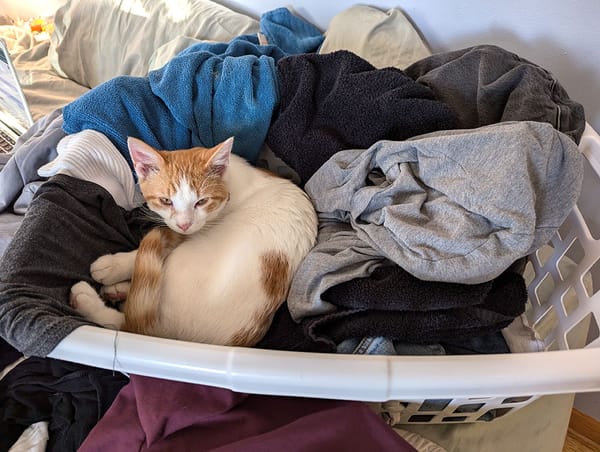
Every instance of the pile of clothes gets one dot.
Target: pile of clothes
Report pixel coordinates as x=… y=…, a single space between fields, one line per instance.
x=432 y=183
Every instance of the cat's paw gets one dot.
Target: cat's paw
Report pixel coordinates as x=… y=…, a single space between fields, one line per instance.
x=113 y=268
x=116 y=292
x=89 y=304
x=85 y=299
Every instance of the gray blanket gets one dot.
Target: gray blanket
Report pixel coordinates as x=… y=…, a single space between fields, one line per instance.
x=33 y=149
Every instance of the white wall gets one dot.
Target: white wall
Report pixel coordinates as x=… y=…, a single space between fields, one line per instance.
x=25 y=9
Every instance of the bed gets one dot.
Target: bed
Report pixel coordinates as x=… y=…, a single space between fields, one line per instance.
x=169 y=64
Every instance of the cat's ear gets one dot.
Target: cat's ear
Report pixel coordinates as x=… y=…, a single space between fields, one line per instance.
x=145 y=158
x=219 y=161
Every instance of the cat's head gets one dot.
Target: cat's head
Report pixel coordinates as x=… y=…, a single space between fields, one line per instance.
x=185 y=187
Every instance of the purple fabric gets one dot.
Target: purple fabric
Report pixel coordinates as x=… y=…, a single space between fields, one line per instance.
x=151 y=414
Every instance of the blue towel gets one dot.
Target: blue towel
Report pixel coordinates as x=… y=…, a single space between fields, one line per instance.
x=205 y=94
x=289 y=32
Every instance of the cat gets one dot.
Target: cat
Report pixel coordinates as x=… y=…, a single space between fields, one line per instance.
x=223 y=264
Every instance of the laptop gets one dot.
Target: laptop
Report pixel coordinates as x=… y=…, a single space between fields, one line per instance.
x=15 y=117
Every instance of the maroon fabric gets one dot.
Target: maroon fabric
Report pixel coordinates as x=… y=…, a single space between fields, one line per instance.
x=150 y=414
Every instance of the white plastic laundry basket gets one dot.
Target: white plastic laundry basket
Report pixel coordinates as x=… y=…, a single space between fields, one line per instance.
x=428 y=389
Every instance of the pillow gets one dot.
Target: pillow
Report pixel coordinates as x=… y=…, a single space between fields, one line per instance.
x=163 y=54
x=384 y=39
x=96 y=40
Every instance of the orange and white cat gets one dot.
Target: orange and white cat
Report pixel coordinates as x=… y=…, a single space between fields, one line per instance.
x=222 y=265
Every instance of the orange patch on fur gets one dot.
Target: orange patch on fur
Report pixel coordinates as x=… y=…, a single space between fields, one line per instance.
x=276 y=280
x=275 y=275
x=141 y=307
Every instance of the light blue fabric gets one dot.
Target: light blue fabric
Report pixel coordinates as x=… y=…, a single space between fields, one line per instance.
x=207 y=93
x=289 y=32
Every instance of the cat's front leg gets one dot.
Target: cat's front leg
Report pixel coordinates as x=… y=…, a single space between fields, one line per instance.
x=111 y=269
x=89 y=304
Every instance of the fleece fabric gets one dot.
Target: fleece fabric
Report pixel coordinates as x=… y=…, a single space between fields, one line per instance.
x=487 y=84
x=355 y=294
x=204 y=95
x=340 y=101
x=504 y=301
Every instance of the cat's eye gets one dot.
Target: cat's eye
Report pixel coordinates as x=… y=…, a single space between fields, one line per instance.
x=201 y=202
x=165 y=201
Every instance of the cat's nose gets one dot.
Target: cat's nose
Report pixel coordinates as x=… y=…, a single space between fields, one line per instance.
x=184 y=226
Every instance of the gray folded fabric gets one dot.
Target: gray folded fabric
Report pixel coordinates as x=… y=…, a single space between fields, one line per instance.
x=486 y=84
x=34 y=148
x=22 y=202
x=69 y=224
x=454 y=206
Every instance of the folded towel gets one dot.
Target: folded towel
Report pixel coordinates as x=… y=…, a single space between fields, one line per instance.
x=505 y=301
x=198 y=99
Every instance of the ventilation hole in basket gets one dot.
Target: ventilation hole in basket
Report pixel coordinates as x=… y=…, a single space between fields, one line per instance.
x=588 y=200
x=454 y=419
x=544 y=289
x=594 y=332
x=547 y=323
x=569 y=301
x=494 y=414
x=583 y=333
x=488 y=416
x=434 y=404
x=469 y=408
x=552 y=346
x=543 y=254
x=567 y=264
x=421 y=418
x=564 y=230
x=591 y=280
x=520 y=399
x=529 y=272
